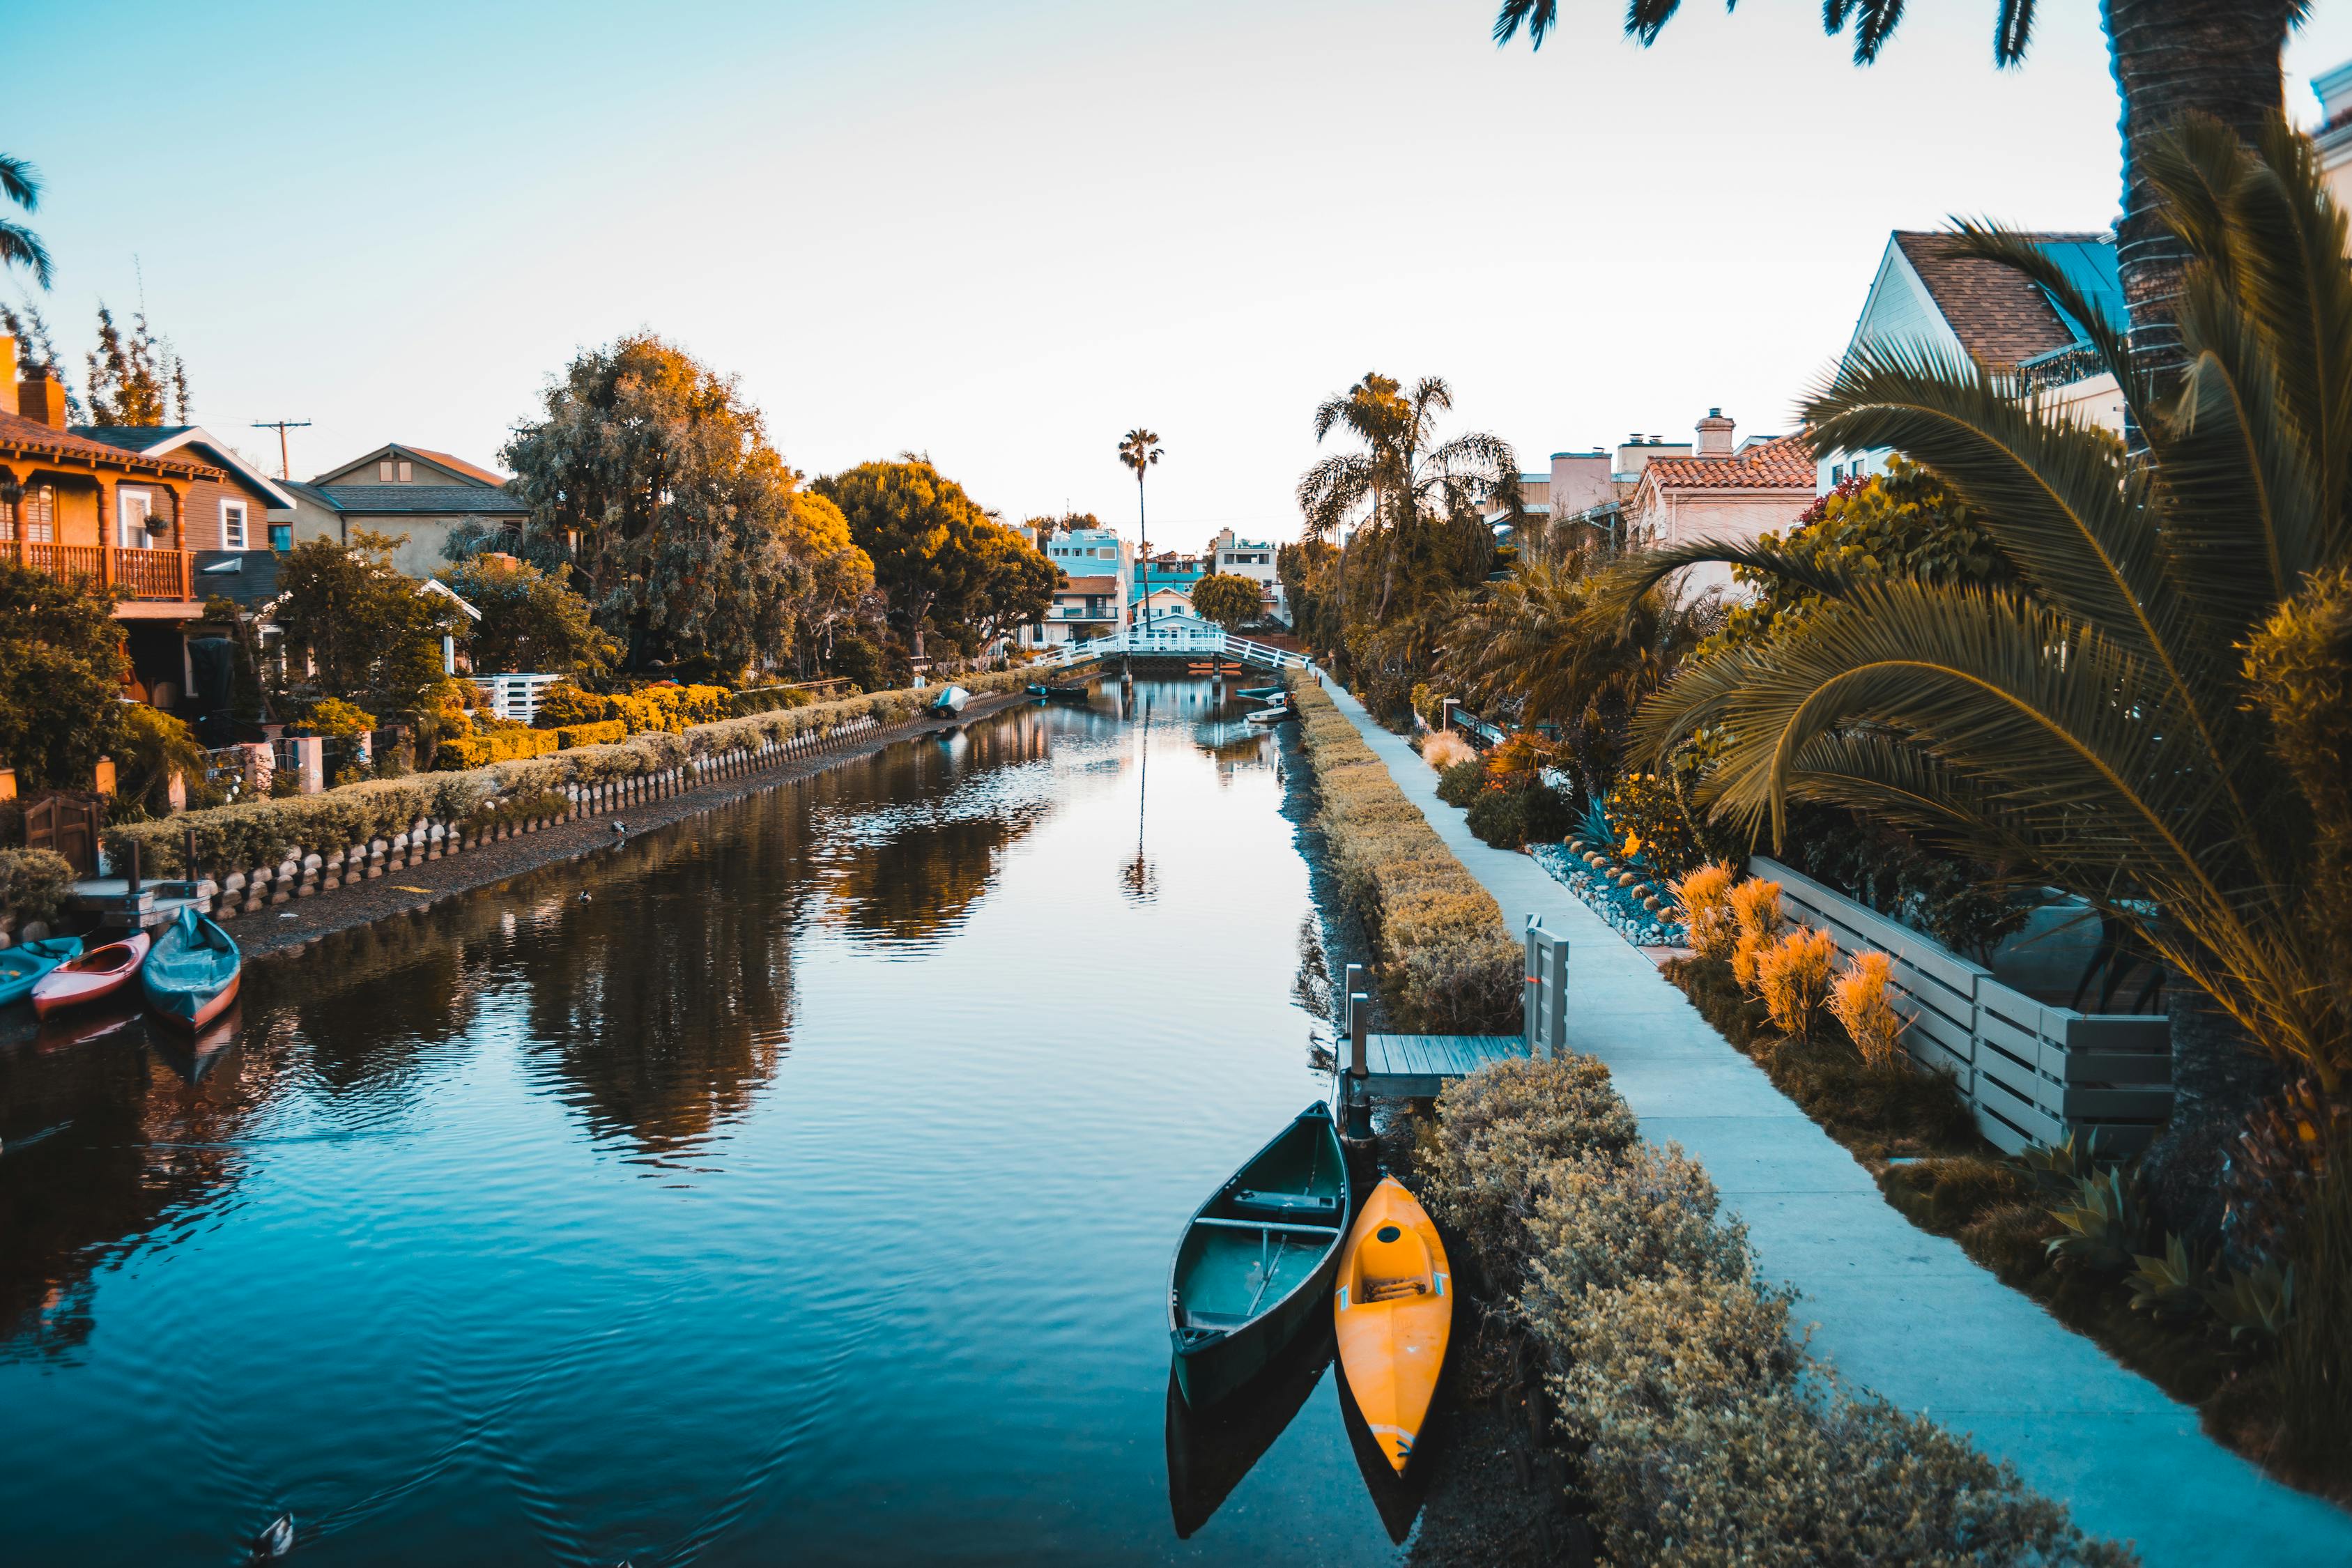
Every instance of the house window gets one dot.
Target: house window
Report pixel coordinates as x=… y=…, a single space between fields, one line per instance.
x=384 y=471
x=137 y=506
x=37 y=515
x=232 y=525
x=281 y=536
x=406 y=472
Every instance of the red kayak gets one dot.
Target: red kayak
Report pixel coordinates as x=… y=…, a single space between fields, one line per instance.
x=95 y=976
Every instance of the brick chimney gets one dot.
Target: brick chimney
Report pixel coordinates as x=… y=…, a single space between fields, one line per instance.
x=1715 y=435
x=39 y=398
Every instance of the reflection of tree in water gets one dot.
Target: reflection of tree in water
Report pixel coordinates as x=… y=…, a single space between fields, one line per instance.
x=665 y=1001
x=106 y=1144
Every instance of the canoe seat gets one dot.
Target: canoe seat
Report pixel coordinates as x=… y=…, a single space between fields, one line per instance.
x=1392 y=1289
x=1254 y=1202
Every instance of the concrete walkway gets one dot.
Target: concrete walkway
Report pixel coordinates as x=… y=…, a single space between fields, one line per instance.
x=1895 y=1310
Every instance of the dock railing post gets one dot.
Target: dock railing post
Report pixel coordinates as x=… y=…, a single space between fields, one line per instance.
x=1546 y=1003
x=1359 y=1127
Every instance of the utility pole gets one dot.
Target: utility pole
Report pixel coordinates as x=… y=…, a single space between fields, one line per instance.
x=285 y=468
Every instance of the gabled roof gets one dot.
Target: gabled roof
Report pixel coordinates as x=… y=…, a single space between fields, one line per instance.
x=32 y=436
x=1090 y=585
x=160 y=440
x=1785 y=464
x=1998 y=316
x=455 y=466
x=407 y=501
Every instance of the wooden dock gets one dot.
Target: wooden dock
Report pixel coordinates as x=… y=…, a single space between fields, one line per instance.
x=1418 y=1067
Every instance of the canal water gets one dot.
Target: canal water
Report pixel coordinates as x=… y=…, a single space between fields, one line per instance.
x=793 y=1184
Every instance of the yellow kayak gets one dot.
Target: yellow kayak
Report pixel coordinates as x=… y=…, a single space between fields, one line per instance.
x=1394 y=1312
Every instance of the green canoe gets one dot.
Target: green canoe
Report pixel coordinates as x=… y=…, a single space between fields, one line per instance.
x=1257 y=1260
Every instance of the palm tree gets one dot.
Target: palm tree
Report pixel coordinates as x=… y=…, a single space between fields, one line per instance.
x=1545 y=643
x=2170 y=58
x=1415 y=495
x=2096 y=719
x=1139 y=449
x=19 y=246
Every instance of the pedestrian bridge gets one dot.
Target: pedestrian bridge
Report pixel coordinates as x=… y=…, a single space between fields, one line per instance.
x=1178 y=636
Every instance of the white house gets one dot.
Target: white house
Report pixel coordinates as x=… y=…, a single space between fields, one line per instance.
x=1098 y=574
x=1253 y=559
x=1924 y=295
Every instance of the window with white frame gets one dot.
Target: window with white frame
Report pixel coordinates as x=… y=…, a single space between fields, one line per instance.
x=232 y=524
x=137 y=507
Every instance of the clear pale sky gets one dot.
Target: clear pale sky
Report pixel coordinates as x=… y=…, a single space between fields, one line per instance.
x=1005 y=231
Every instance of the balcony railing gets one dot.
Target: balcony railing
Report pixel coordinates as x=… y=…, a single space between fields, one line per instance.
x=140 y=574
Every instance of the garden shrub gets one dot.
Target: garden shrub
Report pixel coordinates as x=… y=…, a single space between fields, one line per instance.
x=1793 y=977
x=1450 y=964
x=1703 y=1434
x=1704 y=897
x=503 y=744
x=1459 y=784
x=1858 y=1001
x=602 y=733
x=34 y=884
x=1500 y=1126
x=1756 y=912
x=1446 y=751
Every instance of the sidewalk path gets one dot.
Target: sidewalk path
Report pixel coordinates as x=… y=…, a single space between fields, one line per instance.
x=1895 y=1310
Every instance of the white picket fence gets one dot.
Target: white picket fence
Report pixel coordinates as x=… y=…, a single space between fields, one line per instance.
x=2033 y=1073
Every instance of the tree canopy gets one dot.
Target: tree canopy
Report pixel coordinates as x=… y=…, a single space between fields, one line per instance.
x=372 y=637
x=1227 y=599
x=135 y=378
x=531 y=621
x=939 y=559
x=61 y=673
x=653 y=481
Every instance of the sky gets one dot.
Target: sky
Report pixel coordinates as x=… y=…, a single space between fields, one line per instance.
x=1004 y=232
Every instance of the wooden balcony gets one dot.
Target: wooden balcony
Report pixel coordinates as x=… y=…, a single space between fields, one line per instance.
x=144 y=576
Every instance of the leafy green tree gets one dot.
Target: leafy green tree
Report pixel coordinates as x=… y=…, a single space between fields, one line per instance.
x=531 y=621
x=2169 y=59
x=359 y=630
x=19 y=246
x=2094 y=719
x=61 y=678
x=922 y=532
x=152 y=749
x=1068 y=522
x=1011 y=584
x=135 y=378
x=1139 y=449
x=1230 y=601
x=653 y=479
x=839 y=576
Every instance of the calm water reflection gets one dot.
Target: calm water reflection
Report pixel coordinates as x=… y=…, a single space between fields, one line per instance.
x=803 y=1194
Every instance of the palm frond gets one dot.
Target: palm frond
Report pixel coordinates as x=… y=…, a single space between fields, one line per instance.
x=20 y=246
x=20 y=182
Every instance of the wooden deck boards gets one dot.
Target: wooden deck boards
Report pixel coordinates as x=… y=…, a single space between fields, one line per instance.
x=1417 y=1067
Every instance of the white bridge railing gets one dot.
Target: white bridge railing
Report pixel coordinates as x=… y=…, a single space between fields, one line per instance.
x=1185 y=638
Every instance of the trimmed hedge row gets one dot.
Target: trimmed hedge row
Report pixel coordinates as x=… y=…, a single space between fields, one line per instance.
x=1449 y=965
x=465 y=752
x=602 y=733
x=1700 y=1431
x=265 y=833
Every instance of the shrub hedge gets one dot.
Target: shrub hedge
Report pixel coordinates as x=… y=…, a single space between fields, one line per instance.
x=1703 y=1433
x=33 y=884
x=261 y=832
x=1449 y=965
x=602 y=733
x=460 y=752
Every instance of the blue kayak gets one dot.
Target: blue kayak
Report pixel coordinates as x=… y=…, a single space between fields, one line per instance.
x=191 y=974
x=22 y=966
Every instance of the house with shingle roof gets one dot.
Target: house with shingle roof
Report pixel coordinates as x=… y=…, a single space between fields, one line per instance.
x=403 y=489
x=1927 y=296
x=1720 y=489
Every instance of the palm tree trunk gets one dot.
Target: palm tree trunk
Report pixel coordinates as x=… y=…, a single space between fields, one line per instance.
x=2172 y=58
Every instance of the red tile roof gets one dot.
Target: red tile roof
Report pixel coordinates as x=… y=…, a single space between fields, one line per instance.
x=30 y=436
x=1998 y=316
x=1778 y=465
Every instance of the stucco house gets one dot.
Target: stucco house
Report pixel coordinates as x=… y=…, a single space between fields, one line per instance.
x=403 y=489
x=1722 y=491
x=1927 y=296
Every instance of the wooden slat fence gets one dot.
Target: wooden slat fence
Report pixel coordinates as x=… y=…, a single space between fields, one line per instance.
x=2033 y=1073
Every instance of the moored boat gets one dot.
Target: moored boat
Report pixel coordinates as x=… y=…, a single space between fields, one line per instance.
x=1256 y=1258
x=951 y=701
x=1394 y=1313
x=190 y=977
x=1260 y=693
x=101 y=972
x=1274 y=714
x=22 y=966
